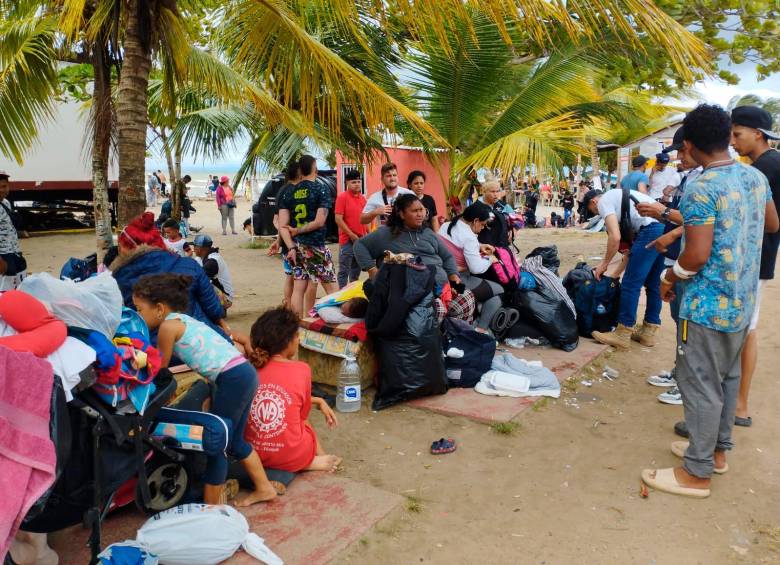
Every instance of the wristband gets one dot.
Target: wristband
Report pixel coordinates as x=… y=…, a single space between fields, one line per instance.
x=682 y=273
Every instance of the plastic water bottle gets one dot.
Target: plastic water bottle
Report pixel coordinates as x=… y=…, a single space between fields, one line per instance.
x=348 y=389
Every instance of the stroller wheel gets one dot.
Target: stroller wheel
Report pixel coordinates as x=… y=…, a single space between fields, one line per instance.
x=168 y=482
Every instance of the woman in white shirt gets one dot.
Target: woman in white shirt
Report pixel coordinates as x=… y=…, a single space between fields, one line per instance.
x=474 y=258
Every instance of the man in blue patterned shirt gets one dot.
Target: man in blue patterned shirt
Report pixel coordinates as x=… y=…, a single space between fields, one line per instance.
x=725 y=212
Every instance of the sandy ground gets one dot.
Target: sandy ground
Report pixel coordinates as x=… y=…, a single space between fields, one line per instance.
x=564 y=487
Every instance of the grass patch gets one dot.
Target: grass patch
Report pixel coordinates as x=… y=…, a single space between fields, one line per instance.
x=540 y=404
x=570 y=385
x=414 y=504
x=258 y=243
x=505 y=428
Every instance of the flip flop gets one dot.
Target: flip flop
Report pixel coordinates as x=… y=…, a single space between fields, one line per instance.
x=443 y=446
x=679 y=447
x=744 y=422
x=665 y=481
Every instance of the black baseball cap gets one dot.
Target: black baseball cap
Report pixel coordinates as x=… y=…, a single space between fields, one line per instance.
x=677 y=141
x=590 y=195
x=662 y=157
x=639 y=161
x=754 y=117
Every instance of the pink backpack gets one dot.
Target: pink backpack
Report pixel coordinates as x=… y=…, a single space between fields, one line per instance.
x=506 y=268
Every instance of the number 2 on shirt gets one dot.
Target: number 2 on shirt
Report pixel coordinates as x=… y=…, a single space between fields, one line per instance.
x=300 y=215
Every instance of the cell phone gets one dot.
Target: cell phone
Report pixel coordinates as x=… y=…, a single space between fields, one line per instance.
x=634 y=199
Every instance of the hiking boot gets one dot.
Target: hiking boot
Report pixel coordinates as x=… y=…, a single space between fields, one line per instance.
x=620 y=338
x=646 y=334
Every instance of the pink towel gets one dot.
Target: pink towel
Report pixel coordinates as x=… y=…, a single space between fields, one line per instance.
x=27 y=456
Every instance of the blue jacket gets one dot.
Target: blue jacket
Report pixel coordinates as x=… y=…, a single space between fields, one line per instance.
x=146 y=260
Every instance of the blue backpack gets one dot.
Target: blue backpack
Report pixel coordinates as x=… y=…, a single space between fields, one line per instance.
x=597 y=302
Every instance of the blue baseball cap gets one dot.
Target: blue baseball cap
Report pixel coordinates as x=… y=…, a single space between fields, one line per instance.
x=202 y=240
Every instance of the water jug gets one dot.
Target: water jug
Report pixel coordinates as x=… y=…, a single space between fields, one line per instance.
x=348 y=386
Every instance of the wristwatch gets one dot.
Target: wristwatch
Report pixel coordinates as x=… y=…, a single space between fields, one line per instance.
x=665 y=214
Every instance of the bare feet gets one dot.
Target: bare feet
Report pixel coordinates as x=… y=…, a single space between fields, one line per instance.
x=265 y=494
x=685 y=479
x=328 y=463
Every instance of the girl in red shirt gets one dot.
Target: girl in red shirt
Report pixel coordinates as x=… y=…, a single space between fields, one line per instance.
x=278 y=424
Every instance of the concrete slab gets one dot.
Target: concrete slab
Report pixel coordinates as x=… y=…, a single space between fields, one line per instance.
x=317 y=519
x=470 y=404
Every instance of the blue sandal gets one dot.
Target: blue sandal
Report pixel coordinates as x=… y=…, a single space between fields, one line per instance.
x=443 y=446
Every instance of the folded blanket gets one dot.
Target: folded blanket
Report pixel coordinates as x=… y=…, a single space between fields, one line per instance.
x=509 y=375
x=27 y=455
x=352 y=332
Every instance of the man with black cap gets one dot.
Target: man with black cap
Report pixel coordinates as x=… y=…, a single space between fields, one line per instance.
x=628 y=232
x=636 y=179
x=663 y=179
x=215 y=267
x=750 y=133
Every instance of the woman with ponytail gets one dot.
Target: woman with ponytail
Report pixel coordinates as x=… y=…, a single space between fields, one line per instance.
x=278 y=425
x=473 y=258
x=161 y=301
x=142 y=252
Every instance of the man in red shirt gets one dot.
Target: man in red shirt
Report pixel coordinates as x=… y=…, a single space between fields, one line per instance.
x=349 y=206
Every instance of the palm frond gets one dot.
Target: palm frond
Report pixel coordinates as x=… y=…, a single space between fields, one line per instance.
x=266 y=40
x=540 y=144
x=28 y=79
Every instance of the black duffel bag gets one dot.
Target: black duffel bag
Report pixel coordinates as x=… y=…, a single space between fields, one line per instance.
x=548 y=311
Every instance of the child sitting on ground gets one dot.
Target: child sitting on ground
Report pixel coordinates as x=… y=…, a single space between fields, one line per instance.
x=278 y=426
x=160 y=301
x=173 y=239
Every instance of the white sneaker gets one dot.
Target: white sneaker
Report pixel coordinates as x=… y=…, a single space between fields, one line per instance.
x=663 y=379
x=671 y=396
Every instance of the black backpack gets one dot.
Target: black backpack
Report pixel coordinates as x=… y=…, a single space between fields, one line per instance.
x=626 y=229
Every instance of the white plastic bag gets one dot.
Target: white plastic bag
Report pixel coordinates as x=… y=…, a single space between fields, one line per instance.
x=95 y=303
x=201 y=534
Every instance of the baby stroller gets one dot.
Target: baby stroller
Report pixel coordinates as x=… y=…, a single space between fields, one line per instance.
x=99 y=454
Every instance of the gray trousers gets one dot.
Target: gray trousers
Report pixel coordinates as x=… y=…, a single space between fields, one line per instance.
x=228 y=214
x=708 y=371
x=349 y=270
x=489 y=307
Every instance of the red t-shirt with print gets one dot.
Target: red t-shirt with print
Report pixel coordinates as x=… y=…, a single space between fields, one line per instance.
x=276 y=425
x=351 y=206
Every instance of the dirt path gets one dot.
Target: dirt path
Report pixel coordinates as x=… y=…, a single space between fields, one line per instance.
x=564 y=487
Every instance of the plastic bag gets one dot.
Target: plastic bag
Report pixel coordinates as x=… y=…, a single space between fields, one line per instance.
x=95 y=303
x=410 y=364
x=201 y=534
x=549 y=254
x=550 y=313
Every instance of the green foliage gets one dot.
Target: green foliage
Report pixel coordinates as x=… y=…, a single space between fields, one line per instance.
x=505 y=428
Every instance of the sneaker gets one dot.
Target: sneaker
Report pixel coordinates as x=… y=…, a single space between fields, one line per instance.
x=663 y=379
x=671 y=396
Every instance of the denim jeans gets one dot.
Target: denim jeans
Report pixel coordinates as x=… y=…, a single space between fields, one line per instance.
x=644 y=269
x=349 y=270
x=566 y=216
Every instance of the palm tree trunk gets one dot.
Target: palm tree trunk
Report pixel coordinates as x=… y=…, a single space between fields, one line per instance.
x=177 y=159
x=172 y=176
x=132 y=114
x=594 y=160
x=101 y=145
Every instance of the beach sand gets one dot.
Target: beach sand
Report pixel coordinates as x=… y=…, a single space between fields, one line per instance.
x=565 y=487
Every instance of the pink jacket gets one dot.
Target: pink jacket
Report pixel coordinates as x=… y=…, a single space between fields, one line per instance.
x=224 y=195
